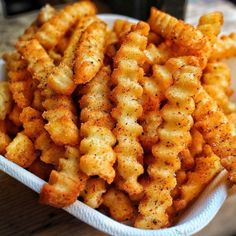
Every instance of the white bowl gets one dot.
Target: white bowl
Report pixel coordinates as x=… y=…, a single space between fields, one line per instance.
x=194 y=219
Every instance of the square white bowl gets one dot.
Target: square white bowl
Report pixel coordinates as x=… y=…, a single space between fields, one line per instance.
x=193 y=220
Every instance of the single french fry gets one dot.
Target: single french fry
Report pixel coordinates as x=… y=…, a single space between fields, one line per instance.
x=119 y=204
x=97 y=157
x=92 y=194
x=90 y=52
x=21 y=151
x=126 y=76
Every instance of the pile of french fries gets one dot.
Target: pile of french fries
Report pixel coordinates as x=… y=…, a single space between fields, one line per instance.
x=134 y=120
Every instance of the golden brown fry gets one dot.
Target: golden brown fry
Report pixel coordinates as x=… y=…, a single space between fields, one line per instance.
x=5 y=99
x=60 y=79
x=225 y=47
x=51 y=32
x=216 y=130
x=92 y=194
x=154 y=38
x=207 y=166
x=21 y=151
x=128 y=110
x=216 y=81
x=32 y=122
x=189 y=40
x=98 y=156
x=66 y=182
x=90 y=52
x=210 y=25
x=119 y=204
x=174 y=137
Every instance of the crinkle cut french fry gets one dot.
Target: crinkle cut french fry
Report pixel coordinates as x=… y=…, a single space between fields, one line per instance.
x=122 y=28
x=21 y=151
x=97 y=141
x=128 y=61
x=210 y=25
x=66 y=182
x=207 y=166
x=174 y=137
x=184 y=35
x=90 y=52
x=216 y=81
x=119 y=204
x=92 y=194
x=5 y=99
x=51 y=32
x=39 y=63
x=225 y=47
x=216 y=130
x=60 y=79
x=197 y=142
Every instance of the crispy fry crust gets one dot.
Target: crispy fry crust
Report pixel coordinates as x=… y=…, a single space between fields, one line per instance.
x=119 y=205
x=210 y=25
x=97 y=139
x=151 y=118
x=158 y=54
x=5 y=99
x=216 y=81
x=21 y=151
x=174 y=137
x=61 y=78
x=51 y=32
x=90 y=52
x=66 y=183
x=225 y=47
x=92 y=194
x=14 y=115
x=207 y=166
x=128 y=110
x=216 y=130
x=32 y=122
